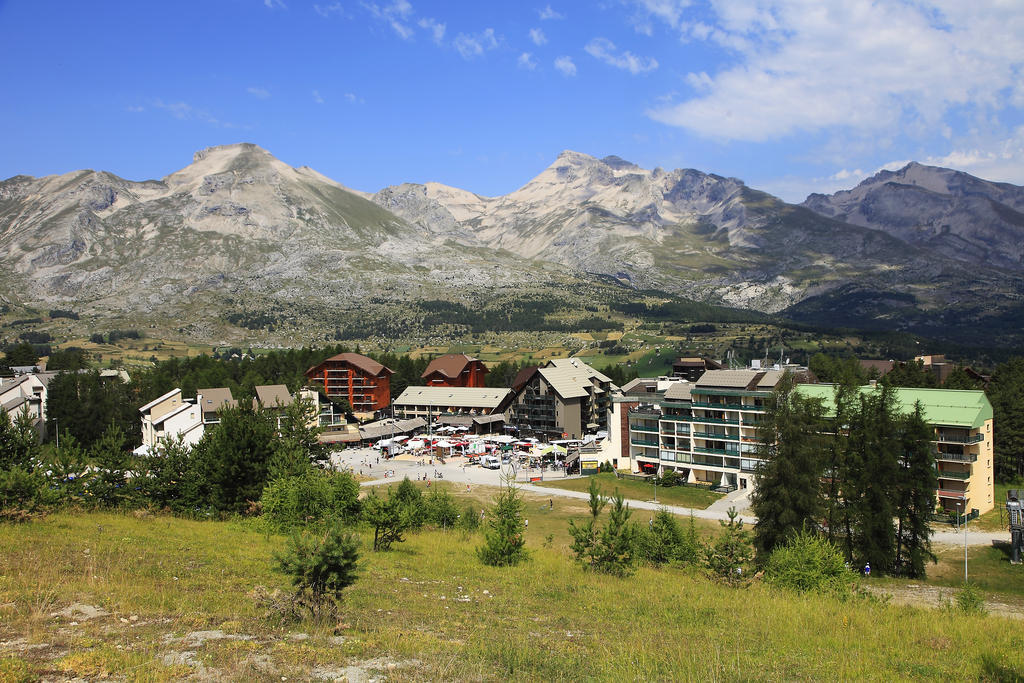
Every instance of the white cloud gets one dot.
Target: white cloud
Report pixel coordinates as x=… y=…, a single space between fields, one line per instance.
x=646 y=12
x=184 y=111
x=604 y=50
x=259 y=93
x=862 y=65
x=470 y=46
x=135 y=109
x=565 y=65
x=352 y=98
x=526 y=61
x=538 y=37
x=396 y=15
x=435 y=27
x=274 y=4
x=317 y=98
x=997 y=159
x=327 y=10
x=548 y=14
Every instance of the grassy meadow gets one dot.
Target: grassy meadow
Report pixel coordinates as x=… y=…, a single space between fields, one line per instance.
x=177 y=599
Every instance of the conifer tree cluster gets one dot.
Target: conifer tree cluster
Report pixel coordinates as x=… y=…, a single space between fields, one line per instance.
x=865 y=478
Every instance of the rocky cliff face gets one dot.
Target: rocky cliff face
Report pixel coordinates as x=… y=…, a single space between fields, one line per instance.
x=685 y=231
x=953 y=213
x=239 y=224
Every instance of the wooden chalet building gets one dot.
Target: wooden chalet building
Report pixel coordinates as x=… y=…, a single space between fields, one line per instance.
x=362 y=381
x=455 y=370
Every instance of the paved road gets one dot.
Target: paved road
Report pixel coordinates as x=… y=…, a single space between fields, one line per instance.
x=366 y=461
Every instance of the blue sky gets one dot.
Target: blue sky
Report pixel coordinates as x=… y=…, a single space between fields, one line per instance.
x=790 y=96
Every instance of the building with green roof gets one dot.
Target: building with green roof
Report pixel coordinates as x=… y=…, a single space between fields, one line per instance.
x=962 y=423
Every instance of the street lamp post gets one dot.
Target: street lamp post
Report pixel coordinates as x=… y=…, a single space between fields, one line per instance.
x=963 y=502
x=56 y=426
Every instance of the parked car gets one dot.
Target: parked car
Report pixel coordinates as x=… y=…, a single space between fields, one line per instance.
x=491 y=462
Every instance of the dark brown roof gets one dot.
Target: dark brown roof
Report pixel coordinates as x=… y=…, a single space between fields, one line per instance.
x=358 y=360
x=524 y=376
x=450 y=365
x=880 y=366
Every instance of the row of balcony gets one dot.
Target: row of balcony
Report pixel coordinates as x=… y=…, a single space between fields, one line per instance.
x=950 y=474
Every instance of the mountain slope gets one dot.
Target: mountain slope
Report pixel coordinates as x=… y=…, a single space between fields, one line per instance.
x=953 y=213
x=694 y=233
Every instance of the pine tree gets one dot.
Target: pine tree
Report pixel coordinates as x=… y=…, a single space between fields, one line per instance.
x=584 y=536
x=504 y=544
x=731 y=553
x=109 y=486
x=876 y=446
x=616 y=544
x=915 y=496
x=321 y=567
x=788 y=497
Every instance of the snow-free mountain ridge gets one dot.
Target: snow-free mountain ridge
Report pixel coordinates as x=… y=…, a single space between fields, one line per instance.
x=238 y=225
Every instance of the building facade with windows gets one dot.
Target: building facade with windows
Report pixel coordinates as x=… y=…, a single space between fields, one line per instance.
x=705 y=430
x=455 y=370
x=564 y=397
x=362 y=381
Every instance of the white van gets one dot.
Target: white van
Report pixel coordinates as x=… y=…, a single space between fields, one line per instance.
x=491 y=462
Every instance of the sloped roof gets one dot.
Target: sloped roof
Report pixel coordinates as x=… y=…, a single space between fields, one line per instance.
x=374 y=430
x=462 y=397
x=450 y=365
x=679 y=391
x=273 y=395
x=567 y=383
x=217 y=398
x=156 y=401
x=968 y=409
x=524 y=376
x=368 y=365
x=730 y=379
x=577 y=364
x=769 y=379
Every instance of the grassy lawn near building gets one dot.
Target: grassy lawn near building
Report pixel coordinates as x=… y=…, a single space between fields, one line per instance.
x=158 y=598
x=995 y=519
x=685 y=496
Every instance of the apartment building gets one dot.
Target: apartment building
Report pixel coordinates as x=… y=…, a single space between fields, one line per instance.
x=362 y=381
x=705 y=430
x=963 y=437
x=564 y=397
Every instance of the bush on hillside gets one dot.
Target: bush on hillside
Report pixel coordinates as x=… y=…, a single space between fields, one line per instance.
x=505 y=545
x=313 y=497
x=809 y=563
x=732 y=552
x=441 y=510
x=389 y=517
x=469 y=520
x=664 y=541
x=321 y=567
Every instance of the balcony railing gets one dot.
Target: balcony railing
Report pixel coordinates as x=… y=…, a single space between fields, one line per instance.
x=716 y=451
x=957 y=457
x=644 y=428
x=645 y=412
x=676 y=418
x=718 y=437
x=643 y=442
x=957 y=495
x=718 y=406
x=959 y=438
x=715 y=420
x=963 y=476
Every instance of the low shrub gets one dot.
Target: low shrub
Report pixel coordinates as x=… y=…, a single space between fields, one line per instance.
x=314 y=497
x=320 y=567
x=809 y=563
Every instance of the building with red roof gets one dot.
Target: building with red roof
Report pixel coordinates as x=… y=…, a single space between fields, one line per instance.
x=455 y=370
x=362 y=381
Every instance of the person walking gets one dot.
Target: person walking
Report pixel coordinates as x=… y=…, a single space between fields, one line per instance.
x=867 y=569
